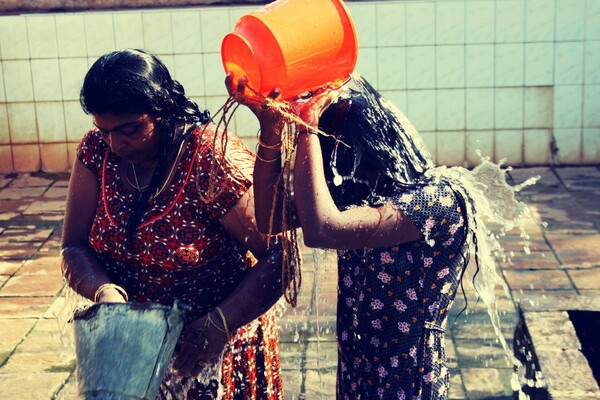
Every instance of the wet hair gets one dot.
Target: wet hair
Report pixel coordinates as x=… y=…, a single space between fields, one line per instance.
x=373 y=149
x=132 y=81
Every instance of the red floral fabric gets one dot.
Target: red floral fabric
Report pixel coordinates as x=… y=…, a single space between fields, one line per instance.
x=181 y=252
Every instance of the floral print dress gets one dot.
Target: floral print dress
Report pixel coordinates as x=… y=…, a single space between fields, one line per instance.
x=393 y=304
x=181 y=252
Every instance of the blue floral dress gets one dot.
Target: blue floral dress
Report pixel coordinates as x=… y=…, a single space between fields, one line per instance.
x=393 y=303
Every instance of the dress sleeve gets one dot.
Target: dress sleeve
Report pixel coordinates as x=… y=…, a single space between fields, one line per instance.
x=230 y=176
x=437 y=211
x=91 y=151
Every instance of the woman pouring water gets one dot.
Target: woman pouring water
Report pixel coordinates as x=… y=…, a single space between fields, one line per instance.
x=361 y=187
x=157 y=212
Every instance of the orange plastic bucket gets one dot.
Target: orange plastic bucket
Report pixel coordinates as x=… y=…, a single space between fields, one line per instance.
x=296 y=45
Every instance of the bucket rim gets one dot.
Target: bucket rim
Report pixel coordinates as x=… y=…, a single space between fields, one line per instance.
x=90 y=311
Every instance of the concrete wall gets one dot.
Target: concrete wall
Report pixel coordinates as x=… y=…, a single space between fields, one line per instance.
x=517 y=79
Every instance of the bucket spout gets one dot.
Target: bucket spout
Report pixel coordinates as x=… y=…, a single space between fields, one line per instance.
x=123 y=349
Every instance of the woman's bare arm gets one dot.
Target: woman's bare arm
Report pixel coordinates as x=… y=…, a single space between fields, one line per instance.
x=80 y=267
x=323 y=225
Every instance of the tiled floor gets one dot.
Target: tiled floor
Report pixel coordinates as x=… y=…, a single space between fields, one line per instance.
x=564 y=261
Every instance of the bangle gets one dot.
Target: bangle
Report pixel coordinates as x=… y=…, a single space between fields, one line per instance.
x=269 y=146
x=222 y=319
x=210 y=321
x=268 y=160
x=118 y=288
x=307 y=132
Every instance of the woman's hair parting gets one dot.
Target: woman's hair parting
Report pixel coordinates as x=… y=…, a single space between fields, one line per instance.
x=132 y=81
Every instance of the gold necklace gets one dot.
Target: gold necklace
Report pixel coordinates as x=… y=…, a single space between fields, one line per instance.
x=135 y=185
x=172 y=171
x=140 y=189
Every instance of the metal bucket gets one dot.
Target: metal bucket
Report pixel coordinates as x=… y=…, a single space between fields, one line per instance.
x=123 y=349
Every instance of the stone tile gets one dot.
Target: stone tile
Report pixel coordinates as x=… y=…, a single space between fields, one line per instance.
x=534 y=299
x=477 y=353
x=5 y=181
x=52 y=246
x=482 y=331
x=69 y=390
x=46 y=266
x=18 y=193
x=33 y=285
x=19 y=251
x=38 y=362
x=24 y=307
x=551 y=330
x=12 y=332
x=567 y=374
x=519 y=260
x=319 y=384
x=582 y=178
x=292 y=355
x=44 y=336
x=586 y=278
x=451 y=357
x=14 y=386
x=8 y=216
x=538 y=280
x=515 y=243
x=564 y=215
x=46 y=207
x=9 y=267
x=25 y=234
x=576 y=250
x=547 y=177
x=322 y=355
x=456 y=391
x=56 y=192
x=482 y=383
x=27 y=180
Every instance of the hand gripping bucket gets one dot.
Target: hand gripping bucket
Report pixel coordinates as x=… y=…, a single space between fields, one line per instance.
x=296 y=45
x=123 y=349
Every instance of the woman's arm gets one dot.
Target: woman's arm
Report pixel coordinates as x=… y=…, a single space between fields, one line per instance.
x=258 y=292
x=80 y=267
x=323 y=225
x=267 y=169
x=262 y=284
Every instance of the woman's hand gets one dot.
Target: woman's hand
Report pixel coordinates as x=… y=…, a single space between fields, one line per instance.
x=310 y=110
x=202 y=345
x=110 y=295
x=266 y=114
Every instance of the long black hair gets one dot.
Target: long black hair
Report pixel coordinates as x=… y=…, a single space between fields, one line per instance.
x=133 y=81
x=372 y=149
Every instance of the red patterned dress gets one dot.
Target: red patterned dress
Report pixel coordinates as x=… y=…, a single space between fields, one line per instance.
x=181 y=252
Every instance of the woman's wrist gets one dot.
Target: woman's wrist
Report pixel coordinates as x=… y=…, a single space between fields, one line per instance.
x=216 y=320
x=110 y=290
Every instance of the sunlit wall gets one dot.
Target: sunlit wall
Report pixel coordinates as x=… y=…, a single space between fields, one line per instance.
x=516 y=79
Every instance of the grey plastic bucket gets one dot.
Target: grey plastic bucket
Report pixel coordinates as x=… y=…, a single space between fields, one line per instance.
x=123 y=349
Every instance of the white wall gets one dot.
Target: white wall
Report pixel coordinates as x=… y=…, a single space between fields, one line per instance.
x=508 y=77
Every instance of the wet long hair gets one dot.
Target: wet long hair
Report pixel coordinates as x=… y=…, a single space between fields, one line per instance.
x=132 y=81
x=372 y=149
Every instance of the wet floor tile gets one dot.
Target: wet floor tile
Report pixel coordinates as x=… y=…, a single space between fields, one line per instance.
x=538 y=280
x=32 y=285
x=35 y=385
x=586 y=279
x=576 y=250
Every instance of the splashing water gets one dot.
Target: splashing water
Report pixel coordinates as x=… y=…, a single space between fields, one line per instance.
x=378 y=131
x=492 y=210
